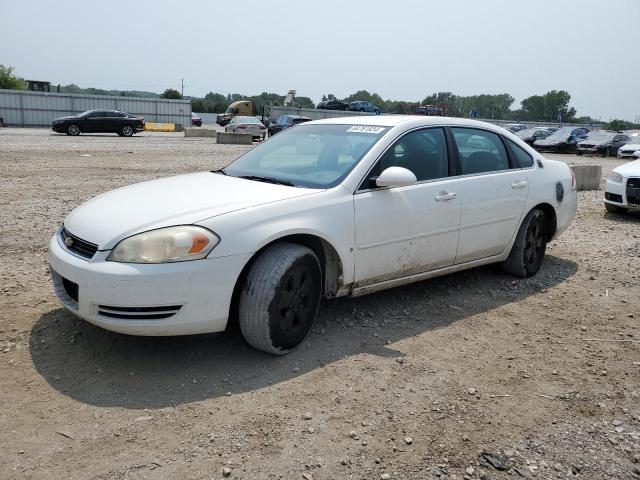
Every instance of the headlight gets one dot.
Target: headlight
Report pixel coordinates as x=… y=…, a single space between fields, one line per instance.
x=615 y=177
x=165 y=245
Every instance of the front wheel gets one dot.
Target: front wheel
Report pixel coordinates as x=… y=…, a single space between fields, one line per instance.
x=530 y=246
x=127 y=131
x=73 y=130
x=280 y=298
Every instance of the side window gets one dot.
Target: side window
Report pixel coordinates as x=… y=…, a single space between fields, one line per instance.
x=480 y=151
x=424 y=152
x=524 y=159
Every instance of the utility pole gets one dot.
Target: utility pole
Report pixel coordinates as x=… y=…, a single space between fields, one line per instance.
x=182 y=87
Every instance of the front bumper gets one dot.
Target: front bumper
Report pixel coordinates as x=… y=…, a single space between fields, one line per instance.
x=189 y=297
x=618 y=194
x=59 y=128
x=626 y=153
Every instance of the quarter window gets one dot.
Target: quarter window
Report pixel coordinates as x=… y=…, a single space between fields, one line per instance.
x=524 y=159
x=480 y=151
x=424 y=152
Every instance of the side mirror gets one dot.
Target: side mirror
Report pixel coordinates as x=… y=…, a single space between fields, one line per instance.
x=396 y=177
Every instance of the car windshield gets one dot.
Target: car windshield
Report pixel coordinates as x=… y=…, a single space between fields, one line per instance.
x=560 y=134
x=310 y=155
x=525 y=133
x=600 y=136
x=84 y=113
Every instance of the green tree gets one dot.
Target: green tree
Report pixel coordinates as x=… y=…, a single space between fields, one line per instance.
x=172 y=94
x=328 y=97
x=10 y=81
x=548 y=107
x=617 y=124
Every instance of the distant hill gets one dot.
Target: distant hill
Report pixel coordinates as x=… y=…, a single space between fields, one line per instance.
x=98 y=91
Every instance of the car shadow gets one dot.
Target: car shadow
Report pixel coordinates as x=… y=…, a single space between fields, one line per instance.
x=101 y=368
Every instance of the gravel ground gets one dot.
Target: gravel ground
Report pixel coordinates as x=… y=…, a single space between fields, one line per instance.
x=416 y=382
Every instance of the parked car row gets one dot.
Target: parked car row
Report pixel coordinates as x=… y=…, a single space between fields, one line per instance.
x=356 y=106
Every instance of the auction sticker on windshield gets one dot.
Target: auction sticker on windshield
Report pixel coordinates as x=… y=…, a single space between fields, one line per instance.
x=365 y=129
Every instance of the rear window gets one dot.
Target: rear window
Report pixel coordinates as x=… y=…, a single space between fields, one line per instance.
x=524 y=159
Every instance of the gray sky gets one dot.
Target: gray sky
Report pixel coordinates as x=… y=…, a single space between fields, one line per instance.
x=401 y=49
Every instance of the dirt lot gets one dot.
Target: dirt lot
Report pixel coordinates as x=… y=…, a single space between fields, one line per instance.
x=412 y=383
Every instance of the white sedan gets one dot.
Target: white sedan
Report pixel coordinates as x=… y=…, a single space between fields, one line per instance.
x=622 y=189
x=247 y=125
x=342 y=206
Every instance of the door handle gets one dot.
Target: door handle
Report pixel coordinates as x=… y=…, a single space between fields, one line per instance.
x=445 y=196
x=519 y=185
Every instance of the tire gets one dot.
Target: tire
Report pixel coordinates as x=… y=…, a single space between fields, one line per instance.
x=614 y=208
x=528 y=250
x=73 y=130
x=280 y=298
x=362 y=109
x=127 y=131
x=120 y=134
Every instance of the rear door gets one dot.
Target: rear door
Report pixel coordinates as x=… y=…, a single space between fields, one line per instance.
x=493 y=190
x=407 y=230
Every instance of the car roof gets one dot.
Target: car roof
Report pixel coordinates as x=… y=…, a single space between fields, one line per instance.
x=406 y=120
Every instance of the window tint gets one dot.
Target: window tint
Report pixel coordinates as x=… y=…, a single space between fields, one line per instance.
x=480 y=151
x=96 y=115
x=424 y=152
x=524 y=159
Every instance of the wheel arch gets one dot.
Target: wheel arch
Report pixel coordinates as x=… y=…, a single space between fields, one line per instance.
x=551 y=217
x=330 y=263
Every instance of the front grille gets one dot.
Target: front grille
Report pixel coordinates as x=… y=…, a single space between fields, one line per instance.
x=633 y=191
x=613 y=197
x=633 y=183
x=76 y=245
x=139 y=313
x=71 y=289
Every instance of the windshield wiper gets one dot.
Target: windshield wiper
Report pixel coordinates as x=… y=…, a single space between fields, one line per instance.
x=220 y=171
x=267 y=180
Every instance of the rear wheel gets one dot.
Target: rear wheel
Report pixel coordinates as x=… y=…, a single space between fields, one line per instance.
x=614 y=208
x=530 y=246
x=73 y=130
x=280 y=298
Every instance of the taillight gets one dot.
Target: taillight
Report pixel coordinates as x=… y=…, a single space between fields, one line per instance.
x=574 y=182
x=242 y=126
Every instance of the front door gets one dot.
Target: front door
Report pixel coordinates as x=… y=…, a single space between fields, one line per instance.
x=406 y=230
x=493 y=190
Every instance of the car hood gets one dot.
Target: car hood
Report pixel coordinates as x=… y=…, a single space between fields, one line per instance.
x=546 y=141
x=69 y=117
x=631 y=146
x=629 y=169
x=108 y=218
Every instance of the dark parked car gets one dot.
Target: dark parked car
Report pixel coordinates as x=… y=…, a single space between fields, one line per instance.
x=515 y=127
x=333 y=105
x=611 y=147
x=196 y=120
x=530 y=135
x=361 y=106
x=562 y=140
x=286 y=121
x=99 y=121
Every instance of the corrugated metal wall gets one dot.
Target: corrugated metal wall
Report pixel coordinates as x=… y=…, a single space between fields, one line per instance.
x=37 y=109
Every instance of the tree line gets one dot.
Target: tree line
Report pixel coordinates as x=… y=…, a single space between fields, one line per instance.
x=552 y=106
